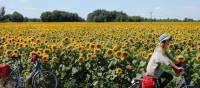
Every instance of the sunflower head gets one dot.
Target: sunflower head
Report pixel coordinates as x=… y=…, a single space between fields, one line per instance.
x=99 y=46
x=47 y=51
x=38 y=41
x=189 y=49
x=2 y=47
x=109 y=52
x=89 y=56
x=15 y=53
x=141 y=53
x=45 y=58
x=32 y=53
x=149 y=56
x=81 y=49
x=55 y=58
x=39 y=53
x=21 y=45
x=171 y=46
x=129 y=67
x=181 y=58
x=54 y=48
x=119 y=54
x=117 y=47
x=178 y=50
x=97 y=51
x=118 y=71
x=92 y=45
x=49 y=46
x=198 y=48
x=198 y=58
x=81 y=59
x=198 y=43
x=41 y=50
x=124 y=55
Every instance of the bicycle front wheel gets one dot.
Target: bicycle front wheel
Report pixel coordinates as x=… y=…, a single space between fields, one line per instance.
x=44 y=79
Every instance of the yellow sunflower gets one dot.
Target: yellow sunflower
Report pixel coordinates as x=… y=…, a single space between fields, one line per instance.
x=124 y=54
x=189 y=49
x=109 y=52
x=81 y=59
x=91 y=46
x=89 y=56
x=2 y=47
x=97 y=51
x=149 y=56
x=32 y=53
x=119 y=54
x=81 y=49
x=45 y=58
x=118 y=71
x=198 y=58
x=9 y=53
x=98 y=46
x=55 y=58
x=181 y=58
x=129 y=67
x=47 y=51
x=15 y=53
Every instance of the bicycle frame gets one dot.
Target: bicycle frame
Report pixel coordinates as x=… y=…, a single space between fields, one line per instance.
x=16 y=71
x=17 y=78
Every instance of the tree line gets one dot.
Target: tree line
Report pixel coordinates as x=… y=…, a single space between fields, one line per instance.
x=99 y=15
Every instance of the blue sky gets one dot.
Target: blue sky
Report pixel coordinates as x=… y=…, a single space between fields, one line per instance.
x=160 y=8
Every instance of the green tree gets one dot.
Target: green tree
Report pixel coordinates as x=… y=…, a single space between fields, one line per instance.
x=2 y=13
x=17 y=17
x=46 y=16
x=60 y=16
x=102 y=15
x=8 y=17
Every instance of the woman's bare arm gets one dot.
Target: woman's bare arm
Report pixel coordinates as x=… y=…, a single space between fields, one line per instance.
x=171 y=58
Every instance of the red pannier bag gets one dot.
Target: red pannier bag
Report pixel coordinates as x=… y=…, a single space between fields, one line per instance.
x=4 y=70
x=148 y=82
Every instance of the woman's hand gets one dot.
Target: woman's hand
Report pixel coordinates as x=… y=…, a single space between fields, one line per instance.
x=178 y=70
x=177 y=67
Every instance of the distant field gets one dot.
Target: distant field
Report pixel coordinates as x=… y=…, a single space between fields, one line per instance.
x=99 y=54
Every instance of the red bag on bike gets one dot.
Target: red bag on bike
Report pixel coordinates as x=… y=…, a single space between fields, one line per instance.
x=4 y=70
x=148 y=82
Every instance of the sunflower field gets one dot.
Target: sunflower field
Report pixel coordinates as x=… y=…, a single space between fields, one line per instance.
x=99 y=55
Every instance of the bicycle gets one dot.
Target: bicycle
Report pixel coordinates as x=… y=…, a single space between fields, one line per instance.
x=39 y=77
x=137 y=82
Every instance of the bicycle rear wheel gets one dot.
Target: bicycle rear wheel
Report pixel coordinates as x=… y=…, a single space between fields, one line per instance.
x=136 y=83
x=44 y=79
x=136 y=86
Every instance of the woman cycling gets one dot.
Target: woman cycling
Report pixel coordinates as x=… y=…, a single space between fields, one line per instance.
x=160 y=56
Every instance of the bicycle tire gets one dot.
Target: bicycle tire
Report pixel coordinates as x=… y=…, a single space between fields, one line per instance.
x=44 y=79
x=135 y=86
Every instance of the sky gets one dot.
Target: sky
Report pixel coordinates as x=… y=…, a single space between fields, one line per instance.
x=159 y=8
